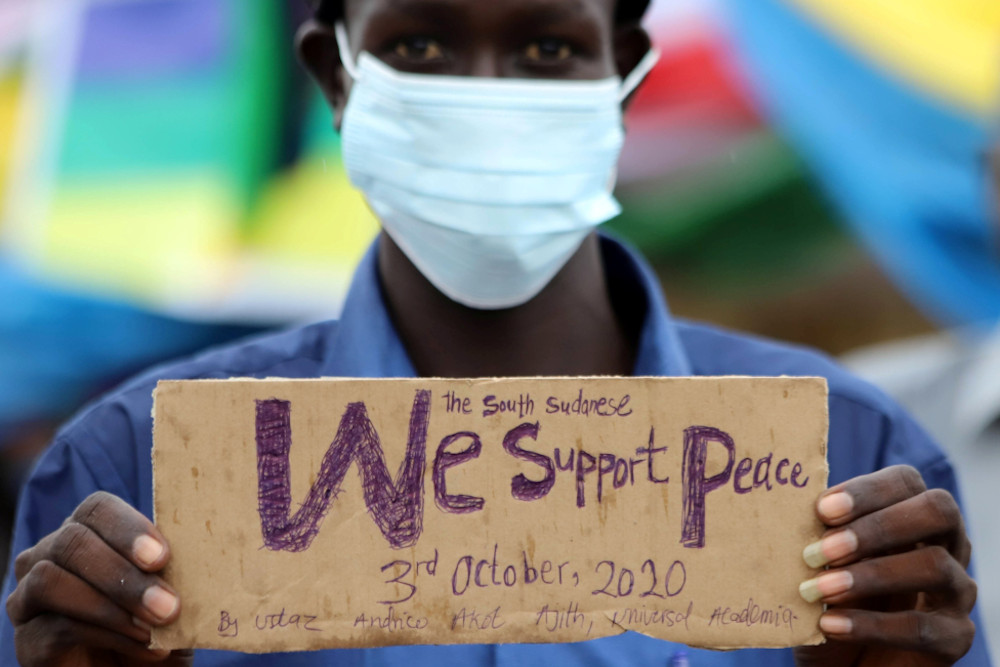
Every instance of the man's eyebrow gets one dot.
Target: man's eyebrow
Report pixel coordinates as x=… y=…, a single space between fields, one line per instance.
x=563 y=7
x=420 y=8
x=555 y=12
x=551 y=11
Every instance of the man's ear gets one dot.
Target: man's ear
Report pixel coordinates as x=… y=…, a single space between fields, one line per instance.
x=632 y=43
x=316 y=46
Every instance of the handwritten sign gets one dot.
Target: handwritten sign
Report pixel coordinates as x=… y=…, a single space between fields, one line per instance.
x=308 y=514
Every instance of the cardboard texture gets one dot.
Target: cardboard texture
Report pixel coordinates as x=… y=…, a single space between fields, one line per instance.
x=307 y=514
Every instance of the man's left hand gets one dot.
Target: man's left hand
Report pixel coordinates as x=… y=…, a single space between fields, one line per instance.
x=897 y=586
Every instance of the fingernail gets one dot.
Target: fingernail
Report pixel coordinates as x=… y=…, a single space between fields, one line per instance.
x=831 y=548
x=835 y=625
x=825 y=586
x=836 y=506
x=159 y=602
x=147 y=550
x=139 y=623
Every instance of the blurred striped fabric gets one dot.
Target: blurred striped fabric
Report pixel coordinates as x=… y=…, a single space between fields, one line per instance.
x=156 y=132
x=174 y=159
x=13 y=23
x=893 y=104
x=170 y=155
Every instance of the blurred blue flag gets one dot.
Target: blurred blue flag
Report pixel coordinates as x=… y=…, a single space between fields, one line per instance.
x=899 y=148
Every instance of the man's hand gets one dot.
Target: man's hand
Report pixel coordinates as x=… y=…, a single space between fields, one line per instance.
x=897 y=587
x=88 y=594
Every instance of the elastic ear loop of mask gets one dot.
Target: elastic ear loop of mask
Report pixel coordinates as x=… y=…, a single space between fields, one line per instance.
x=629 y=84
x=346 y=57
x=639 y=74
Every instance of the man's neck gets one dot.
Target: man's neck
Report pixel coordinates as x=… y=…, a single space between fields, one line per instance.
x=570 y=328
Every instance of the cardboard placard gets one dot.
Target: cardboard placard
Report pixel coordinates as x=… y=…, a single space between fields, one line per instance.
x=306 y=514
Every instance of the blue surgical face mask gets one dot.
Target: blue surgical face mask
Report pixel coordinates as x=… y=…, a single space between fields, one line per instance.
x=488 y=185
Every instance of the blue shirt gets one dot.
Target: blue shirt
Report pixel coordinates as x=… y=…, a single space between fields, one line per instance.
x=108 y=445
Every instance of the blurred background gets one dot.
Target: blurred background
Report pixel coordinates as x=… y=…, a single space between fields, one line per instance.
x=810 y=170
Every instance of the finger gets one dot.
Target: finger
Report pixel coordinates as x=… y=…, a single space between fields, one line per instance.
x=79 y=550
x=933 y=517
x=120 y=525
x=45 y=639
x=931 y=633
x=48 y=588
x=929 y=570
x=863 y=495
x=125 y=529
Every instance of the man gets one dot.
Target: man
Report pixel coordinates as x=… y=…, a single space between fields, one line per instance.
x=490 y=266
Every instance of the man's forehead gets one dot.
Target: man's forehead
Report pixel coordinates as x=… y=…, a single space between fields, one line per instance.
x=597 y=9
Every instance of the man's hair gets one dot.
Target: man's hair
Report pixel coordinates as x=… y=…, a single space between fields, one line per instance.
x=330 y=11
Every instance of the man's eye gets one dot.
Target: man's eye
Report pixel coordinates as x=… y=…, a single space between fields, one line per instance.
x=419 y=48
x=548 y=50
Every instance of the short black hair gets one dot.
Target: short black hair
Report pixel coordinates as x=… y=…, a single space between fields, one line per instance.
x=331 y=11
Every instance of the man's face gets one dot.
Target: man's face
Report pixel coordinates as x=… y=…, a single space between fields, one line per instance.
x=540 y=39
x=548 y=39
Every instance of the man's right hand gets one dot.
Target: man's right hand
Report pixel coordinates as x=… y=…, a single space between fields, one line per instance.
x=88 y=594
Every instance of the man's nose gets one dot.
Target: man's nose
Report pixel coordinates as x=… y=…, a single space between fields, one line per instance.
x=486 y=63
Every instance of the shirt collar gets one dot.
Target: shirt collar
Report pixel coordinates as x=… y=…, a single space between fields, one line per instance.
x=634 y=285
x=365 y=343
